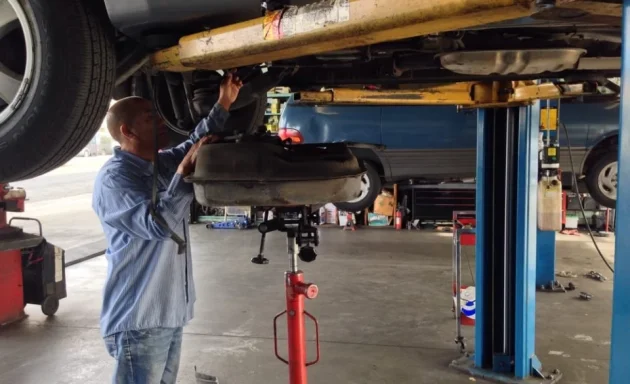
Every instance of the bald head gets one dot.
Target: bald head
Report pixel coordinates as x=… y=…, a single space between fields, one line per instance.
x=125 y=111
x=132 y=123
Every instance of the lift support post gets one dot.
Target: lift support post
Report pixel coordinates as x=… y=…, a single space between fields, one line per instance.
x=620 y=337
x=507 y=176
x=546 y=258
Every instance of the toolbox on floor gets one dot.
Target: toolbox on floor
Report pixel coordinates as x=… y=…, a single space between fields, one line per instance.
x=437 y=202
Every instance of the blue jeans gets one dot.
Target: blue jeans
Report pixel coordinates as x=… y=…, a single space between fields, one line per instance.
x=149 y=356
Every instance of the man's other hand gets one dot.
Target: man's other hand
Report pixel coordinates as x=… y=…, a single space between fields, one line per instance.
x=187 y=166
x=230 y=86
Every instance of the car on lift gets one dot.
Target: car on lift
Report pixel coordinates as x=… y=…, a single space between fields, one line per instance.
x=399 y=143
x=62 y=61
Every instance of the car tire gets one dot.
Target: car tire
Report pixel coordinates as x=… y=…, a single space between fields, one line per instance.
x=372 y=183
x=70 y=79
x=601 y=180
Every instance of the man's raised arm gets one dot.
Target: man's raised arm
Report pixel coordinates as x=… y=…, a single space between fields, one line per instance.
x=213 y=123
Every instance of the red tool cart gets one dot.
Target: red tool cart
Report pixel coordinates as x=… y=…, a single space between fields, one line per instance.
x=464 y=223
x=31 y=270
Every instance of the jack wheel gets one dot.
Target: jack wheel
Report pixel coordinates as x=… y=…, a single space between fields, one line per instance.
x=50 y=305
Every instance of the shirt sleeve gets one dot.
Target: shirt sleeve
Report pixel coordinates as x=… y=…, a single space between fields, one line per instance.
x=126 y=205
x=213 y=123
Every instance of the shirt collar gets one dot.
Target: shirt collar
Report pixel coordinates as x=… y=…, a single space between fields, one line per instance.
x=144 y=166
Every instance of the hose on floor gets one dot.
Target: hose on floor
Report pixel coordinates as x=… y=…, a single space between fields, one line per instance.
x=575 y=184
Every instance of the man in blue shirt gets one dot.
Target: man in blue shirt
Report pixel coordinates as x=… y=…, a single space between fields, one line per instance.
x=149 y=291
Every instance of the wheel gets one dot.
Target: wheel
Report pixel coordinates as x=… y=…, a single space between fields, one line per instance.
x=50 y=305
x=601 y=180
x=57 y=67
x=370 y=188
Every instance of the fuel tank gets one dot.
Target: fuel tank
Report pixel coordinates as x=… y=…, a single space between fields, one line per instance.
x=273 y=174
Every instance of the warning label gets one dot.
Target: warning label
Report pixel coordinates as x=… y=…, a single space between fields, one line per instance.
x=58 y=264
x=295 y=20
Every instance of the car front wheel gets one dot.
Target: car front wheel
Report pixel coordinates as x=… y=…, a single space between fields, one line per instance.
x=601 y=180
x=57 y=68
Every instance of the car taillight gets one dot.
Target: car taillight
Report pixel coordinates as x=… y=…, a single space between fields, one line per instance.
x=291 y=134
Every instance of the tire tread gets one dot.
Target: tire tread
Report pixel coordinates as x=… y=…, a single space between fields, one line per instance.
x=75 y=121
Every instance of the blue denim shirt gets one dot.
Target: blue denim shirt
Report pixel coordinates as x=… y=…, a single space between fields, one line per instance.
x=148 y=284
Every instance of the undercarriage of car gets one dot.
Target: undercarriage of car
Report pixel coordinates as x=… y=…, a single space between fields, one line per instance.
x=550 y=44
x=585 y=54
x=304 y=45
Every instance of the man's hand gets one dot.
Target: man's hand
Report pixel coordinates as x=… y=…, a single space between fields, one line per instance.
x=187 y=166
x=230 y=86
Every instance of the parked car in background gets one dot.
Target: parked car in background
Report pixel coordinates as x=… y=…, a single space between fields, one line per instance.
x=398 y=143
x=91 y=149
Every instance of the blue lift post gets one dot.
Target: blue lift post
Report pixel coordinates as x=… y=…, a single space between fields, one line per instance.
x=545 y=257
x=507 y=179
x=546 y=240
x=620 y=338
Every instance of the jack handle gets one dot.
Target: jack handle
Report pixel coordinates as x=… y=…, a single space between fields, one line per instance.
x=39 y=223
x=275 y=338
x=316 y=338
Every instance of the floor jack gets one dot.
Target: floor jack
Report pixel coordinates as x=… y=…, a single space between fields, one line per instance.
x=302 y=236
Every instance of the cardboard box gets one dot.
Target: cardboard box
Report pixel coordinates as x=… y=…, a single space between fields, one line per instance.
x=375 y=220
x=384 y=204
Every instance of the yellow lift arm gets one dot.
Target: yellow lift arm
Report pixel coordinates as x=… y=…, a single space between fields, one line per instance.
x=468 y=94
x=331 y=25
x=328 y=26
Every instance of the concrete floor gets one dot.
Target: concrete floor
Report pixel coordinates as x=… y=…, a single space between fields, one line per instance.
x=384 y=311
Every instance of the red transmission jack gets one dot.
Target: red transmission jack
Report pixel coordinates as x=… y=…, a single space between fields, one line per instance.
x=296 y=291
